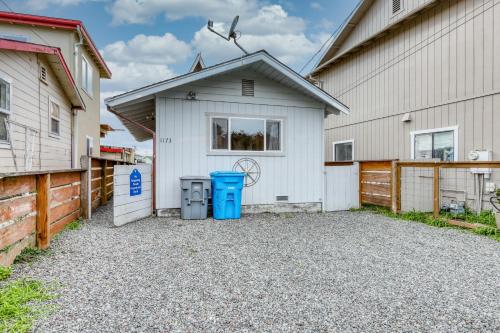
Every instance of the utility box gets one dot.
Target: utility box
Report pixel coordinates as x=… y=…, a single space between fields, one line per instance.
x=195 y=191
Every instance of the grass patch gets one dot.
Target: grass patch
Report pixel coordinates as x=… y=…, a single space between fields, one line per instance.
x=493 y=233
x=20 y=305
x=5 y=272
x=75 y=225
x=29 y=254
x=485 y=217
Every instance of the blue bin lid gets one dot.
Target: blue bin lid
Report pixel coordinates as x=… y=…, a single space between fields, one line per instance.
x=226 y=174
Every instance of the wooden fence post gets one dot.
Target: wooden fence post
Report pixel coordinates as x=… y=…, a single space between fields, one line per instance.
x=43 y=210
x=436 y=191
x=104 y=173
x=394 y=183
x=398 y=187
x=84 y=186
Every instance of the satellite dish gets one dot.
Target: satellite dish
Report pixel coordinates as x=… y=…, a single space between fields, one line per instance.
x=233 y=26
x=232 y=32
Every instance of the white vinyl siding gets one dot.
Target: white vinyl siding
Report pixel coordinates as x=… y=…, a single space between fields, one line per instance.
x=183 y=130
x=30 y=140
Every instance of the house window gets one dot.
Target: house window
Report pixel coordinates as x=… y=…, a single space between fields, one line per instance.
x=5 y=106
x=87 y=76
x=343 y=150
x=246 y=134
x=55 y=118
x=435 y=144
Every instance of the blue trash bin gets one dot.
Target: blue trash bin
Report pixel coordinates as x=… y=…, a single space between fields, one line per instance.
x=226 y=194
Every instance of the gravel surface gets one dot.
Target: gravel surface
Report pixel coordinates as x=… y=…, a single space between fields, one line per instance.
x=334 y=272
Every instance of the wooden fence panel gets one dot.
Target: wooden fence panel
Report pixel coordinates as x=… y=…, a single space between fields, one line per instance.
x=376 y=183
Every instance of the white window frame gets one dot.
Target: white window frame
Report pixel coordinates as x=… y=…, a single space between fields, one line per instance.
x=246 y=152
x=86 y=69
x=8 y=79
x=436 y=130
x=55 y=101
x=340 y=142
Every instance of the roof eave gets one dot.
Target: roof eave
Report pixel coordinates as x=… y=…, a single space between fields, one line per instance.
x=145 y=92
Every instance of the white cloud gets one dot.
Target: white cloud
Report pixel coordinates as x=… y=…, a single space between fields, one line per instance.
x=316 y=5
x=131 y=75
x=166 y=49
x=134 y=11
x=290 y=48
x=43 y=4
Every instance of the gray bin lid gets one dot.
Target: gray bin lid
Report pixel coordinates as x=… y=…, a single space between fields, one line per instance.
x=195 y=178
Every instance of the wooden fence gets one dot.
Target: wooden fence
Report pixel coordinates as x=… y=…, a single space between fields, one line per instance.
x=35 y=206
x=380 y=181
x=375 y=181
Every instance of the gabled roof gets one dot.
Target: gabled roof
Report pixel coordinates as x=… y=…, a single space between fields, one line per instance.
x=258 y=61
x=57 y=63
x=59 y=23
x=198 y=64
x=331 y=54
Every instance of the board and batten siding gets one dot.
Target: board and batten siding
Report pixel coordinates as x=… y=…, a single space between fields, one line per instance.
x=30 y=109
x=297 y=173
x=443 y=67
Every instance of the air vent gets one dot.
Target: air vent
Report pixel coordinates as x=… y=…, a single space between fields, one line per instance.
x=247 y=87
x=397 y=5
x=43 y=74
x=282 y=198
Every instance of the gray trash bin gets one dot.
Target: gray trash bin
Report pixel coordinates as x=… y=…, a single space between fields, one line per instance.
x=195 y=191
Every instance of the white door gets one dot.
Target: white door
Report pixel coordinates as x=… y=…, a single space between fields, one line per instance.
x=342 y=187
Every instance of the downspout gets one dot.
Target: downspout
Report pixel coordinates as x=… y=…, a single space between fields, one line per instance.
x=153 y=133
x=76 y=139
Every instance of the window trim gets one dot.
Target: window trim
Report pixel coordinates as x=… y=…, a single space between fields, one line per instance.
x=453 y=129
x=10 y=81
x=228 y=151
x=88 y=68
x=340 y=142
x=55 y=101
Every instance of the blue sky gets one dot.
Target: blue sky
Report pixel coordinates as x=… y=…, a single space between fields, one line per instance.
x=145 y=41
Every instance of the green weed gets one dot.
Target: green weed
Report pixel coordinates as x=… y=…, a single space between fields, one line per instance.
x=75 y=225
x=5 y=272
x=20 y=305
x=29 y=254
x=488 y=231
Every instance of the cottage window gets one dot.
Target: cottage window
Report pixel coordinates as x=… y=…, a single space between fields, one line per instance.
x=343 y=150
x=55 y=118
x=438 y=144
x=5 y=106
x=246 y=134
x=87 y=76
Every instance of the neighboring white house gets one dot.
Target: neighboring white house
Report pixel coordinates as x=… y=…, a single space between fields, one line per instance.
x=39 y=100
x=253 y=108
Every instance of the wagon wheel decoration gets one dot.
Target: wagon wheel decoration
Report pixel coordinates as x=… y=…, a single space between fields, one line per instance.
x=250 y=168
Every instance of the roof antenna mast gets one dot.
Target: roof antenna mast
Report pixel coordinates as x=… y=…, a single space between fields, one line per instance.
x=232 y=33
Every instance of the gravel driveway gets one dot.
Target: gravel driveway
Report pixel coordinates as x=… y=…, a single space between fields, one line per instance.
x=334 y=272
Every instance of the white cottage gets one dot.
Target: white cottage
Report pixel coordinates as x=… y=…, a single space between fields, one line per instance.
x=251 y=114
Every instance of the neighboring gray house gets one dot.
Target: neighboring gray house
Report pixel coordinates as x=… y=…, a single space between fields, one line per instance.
x=253 y=107
x=422 y=79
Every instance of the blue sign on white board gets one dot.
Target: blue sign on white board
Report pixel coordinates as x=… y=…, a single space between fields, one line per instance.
x=135 y=183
